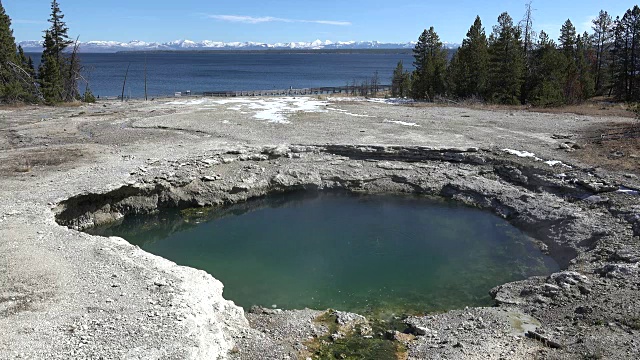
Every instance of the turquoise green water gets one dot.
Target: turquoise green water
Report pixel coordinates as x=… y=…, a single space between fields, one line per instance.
x=364 y=253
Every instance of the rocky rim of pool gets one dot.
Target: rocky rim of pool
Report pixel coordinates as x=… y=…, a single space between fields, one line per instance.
x=556 y=205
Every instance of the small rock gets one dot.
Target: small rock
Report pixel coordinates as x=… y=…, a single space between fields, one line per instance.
x=160 y=283
x=418 y=330
x=210 y=162
x=566 y=279
x=277 y=151
x=584 y=290
x=583 y=310
x=595 y=199
x=237 y=152
x=386 y=165
x=617 y=271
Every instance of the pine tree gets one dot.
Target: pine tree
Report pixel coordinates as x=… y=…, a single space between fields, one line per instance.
x=88 y=96
x=468 y=69
x=7 y=41
x=567 y=38
x=26 y=62
x=58 y=32
x=548 y=73
x=50 y=77
x=400 y=81
x=11 y=88
x=455 y=76
x=568 y=42
x=585 y=58
x=602 y=42
x=430 y=66
x=57 y=84
x=22 y=57
x=626 y=56
x=31 y=67
x=418 y=78
x=506 y=62
x=618 y=60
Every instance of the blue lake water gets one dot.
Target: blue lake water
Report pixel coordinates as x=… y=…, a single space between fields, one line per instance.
x=168 y=73
x=373 y=254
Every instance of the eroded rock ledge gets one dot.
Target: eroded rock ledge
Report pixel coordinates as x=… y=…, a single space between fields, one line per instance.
x=578 y=217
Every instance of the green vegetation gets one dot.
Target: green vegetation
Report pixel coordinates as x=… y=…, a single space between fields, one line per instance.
x=506 y=62
x=468 y=71
x=514 y=66
x=364 y=341
x=56 y=78
x=401 y=81
x=546 y=76
x=88 y=96
x=430 y=63
x=15 y=81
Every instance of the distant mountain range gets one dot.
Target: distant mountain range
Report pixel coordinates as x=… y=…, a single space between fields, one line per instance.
x=186 y=45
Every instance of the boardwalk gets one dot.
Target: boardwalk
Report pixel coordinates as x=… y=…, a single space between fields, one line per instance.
x=355 y=90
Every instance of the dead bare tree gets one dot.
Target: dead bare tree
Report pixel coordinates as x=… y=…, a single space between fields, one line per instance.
x=145 y=77
x=375 y=83
x=526 y=24
x=124 y=83
x=364 y=88
x=71 y=92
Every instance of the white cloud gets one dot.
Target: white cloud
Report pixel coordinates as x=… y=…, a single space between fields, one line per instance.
x=266 y=19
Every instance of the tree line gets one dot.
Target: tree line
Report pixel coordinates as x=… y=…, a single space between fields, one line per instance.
x=56 y=78
x=514 y=65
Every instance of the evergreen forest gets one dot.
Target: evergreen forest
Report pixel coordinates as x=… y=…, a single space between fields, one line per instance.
x=55 y=80
x=515 y=65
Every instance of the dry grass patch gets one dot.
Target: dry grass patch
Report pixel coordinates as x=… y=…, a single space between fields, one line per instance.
x=27 y=161
x=590 y=109
x=612 y=146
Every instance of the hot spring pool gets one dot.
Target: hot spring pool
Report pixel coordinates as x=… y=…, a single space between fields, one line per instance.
x=362 y=253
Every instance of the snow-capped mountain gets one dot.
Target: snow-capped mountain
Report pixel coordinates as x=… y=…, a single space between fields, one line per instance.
x=186 y=45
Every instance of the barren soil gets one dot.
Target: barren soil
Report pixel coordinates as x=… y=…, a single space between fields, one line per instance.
x=66 y=294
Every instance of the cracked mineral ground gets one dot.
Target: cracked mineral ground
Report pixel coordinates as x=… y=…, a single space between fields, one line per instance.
x=568 y=181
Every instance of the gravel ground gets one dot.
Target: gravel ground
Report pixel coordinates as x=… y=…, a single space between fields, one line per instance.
x=66 y=294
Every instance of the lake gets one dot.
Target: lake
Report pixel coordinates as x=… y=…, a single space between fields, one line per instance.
x=168 y=73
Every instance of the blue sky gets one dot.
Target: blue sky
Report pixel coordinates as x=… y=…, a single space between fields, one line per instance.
x=285 y=21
